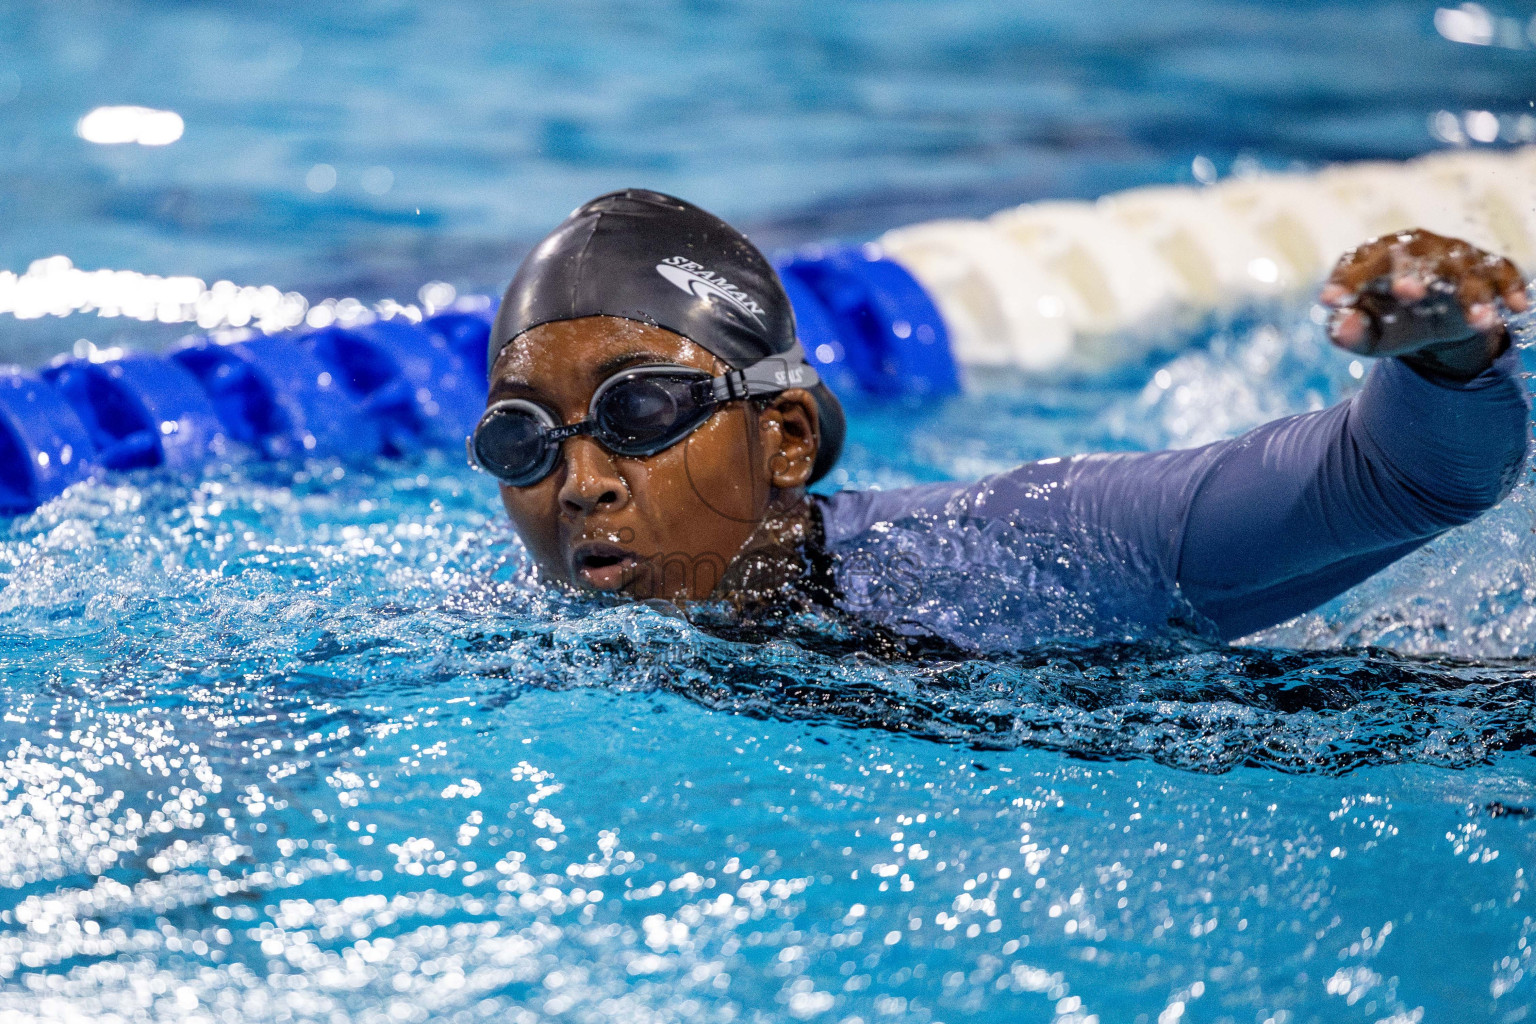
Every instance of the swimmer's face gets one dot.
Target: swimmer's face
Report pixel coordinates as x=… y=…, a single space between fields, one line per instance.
x=664 y=525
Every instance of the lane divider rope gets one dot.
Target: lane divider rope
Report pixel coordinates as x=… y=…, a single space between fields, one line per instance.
x=1040 y=287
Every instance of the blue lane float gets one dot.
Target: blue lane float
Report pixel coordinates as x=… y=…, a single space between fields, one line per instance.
x=394 y=387
x=141 y=411
x=43 y=445
x=467 y=333
x=407 y=380
x=893 y=340
x=819 y=337
x=274 y=396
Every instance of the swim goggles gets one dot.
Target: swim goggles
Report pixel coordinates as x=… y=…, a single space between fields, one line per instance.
x=636 y=412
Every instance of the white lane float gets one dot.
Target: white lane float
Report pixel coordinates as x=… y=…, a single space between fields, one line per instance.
x=1053 y=285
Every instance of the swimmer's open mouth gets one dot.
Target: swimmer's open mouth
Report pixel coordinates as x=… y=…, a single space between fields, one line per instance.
x=603 y=566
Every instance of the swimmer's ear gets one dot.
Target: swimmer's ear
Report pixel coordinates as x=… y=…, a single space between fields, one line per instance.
x=788 y=426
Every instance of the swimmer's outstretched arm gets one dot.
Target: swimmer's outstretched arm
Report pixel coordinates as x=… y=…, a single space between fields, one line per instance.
x=1295 y=512
x=1265 y=526
x=1298 y=511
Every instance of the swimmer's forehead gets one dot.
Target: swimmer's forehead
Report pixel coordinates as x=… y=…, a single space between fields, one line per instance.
x=589 y=350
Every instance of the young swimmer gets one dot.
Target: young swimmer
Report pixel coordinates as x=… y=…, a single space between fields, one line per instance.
x=654 y=425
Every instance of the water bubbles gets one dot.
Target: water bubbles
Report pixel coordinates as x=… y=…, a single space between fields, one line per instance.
x=435 y=295
x=320 y=178
x=1482 y=126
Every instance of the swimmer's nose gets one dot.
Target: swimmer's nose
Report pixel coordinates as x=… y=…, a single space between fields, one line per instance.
x=592 y=481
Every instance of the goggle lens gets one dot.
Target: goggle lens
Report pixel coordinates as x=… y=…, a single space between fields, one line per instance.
x=642 y=415
x=511 y=445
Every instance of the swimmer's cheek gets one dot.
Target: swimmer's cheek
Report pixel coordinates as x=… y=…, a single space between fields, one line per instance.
x=537 y=533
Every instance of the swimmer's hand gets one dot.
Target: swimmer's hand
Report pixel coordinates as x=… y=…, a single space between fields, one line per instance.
x=1433 y=301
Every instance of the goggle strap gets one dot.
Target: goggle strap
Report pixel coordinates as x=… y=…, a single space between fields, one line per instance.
x=768 y=376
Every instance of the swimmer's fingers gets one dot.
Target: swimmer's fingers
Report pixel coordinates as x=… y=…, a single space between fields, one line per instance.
x=1478 y=296
x=1407 y=260
x=1349 y=326
x=1381 y=321
x=1355 y=269
x=1481 y=280
x=1429 y=297
x=1510 y=284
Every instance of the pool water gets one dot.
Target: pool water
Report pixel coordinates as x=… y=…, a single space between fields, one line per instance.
x=305 y=743
x=450 y=136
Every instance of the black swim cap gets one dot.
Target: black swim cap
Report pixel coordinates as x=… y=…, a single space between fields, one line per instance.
x=649 y=257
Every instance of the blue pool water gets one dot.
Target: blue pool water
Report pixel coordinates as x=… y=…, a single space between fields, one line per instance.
x=308 y=747
x=303 y=743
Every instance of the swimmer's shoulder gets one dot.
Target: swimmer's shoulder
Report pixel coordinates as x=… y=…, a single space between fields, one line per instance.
x=847 y=514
